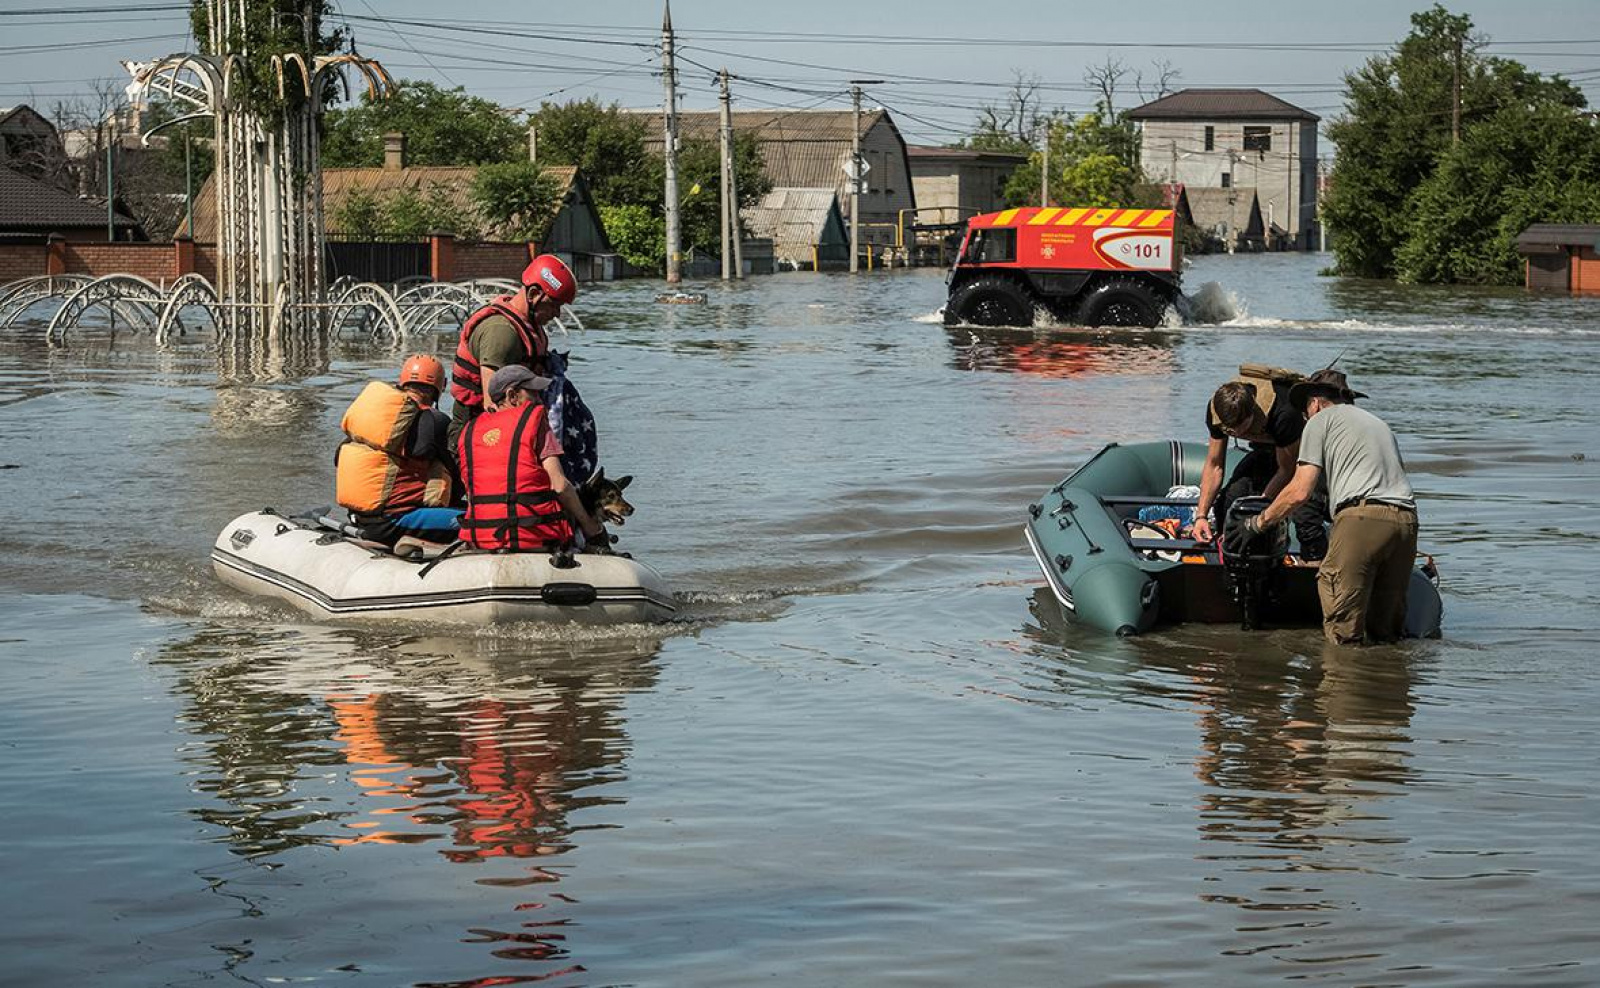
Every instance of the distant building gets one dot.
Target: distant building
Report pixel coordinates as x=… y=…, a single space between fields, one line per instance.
x=1229 y=218
x=29 y=143
x=573 y=230
x=810 y=149
x=1227 y=138
x=959 y=182
x=805 y=227
x=31 y=210
x=1561 y=256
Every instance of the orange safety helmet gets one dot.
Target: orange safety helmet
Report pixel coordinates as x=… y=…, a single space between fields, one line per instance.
x=548 y=274
x=420 y=368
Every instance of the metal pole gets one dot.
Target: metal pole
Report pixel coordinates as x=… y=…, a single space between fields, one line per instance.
x=533 y=144
x=670 y=123
x=725 y=132
x=188 y=185
x=111 y=190
x=1044 y=172
x=735 y=228
x=855 y=179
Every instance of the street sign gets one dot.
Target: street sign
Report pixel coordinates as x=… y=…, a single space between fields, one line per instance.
x=853 y=172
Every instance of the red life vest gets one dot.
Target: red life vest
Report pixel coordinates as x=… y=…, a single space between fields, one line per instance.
x=509 y=501
x=466 y=376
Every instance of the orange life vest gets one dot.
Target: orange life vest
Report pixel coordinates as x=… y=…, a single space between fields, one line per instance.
x=374 y=475
x=509 y=501
x=466 y=375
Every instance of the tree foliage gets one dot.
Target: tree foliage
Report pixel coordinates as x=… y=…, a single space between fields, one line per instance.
x=1093 y=162
x=1390 y=201
x=516 y=199
x=268 y=28
x=442 y=127
x=607 y=145
x=636 y=233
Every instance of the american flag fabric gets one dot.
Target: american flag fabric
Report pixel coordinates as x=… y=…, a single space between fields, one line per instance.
x=571 y=419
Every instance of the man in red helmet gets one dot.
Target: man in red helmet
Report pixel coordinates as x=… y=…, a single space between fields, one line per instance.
x=507 y=332
x=395 y=472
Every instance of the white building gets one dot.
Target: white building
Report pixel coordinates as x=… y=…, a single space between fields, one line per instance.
x=1238 y=138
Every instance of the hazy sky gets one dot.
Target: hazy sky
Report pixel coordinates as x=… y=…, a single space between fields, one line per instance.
x=939 y=59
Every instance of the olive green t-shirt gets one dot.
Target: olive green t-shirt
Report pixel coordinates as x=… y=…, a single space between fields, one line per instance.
x=494 y=343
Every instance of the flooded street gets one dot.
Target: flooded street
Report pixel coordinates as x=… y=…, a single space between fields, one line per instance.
x=872 y=752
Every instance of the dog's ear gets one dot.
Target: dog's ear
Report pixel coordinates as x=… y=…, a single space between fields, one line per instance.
x=599 y=476
x=624 y=482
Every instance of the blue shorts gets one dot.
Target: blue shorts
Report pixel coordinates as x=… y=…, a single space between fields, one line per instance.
x=432 y=524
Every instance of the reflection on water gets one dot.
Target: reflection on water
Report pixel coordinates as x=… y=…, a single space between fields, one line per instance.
x=1059 y=353
x=483 y=750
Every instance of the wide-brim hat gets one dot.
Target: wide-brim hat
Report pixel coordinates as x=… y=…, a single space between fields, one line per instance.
x=1325 y=383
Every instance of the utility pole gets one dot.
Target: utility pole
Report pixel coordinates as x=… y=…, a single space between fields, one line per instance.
x=1455 y=102
x=856 y=170
x=1172 y=176
x=670 y=121
x=533 y=143
x=1044 y=172
x=726 y=134
x=111 y=188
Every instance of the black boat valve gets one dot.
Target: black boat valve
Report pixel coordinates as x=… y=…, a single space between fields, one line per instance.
x=1035 y=509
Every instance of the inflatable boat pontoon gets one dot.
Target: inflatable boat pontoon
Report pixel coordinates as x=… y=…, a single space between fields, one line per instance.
x=1117 y=575
x=328 y=574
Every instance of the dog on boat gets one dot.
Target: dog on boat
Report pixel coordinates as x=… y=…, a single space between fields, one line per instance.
x=603 y=498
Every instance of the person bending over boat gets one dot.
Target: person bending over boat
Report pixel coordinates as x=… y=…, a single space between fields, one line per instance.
x=518 y=496
x=394 y=472
x=1364 y=577
x=1255 y=407
x=507 y=332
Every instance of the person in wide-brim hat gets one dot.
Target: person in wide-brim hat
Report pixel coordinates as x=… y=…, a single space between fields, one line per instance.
x=1327 y=383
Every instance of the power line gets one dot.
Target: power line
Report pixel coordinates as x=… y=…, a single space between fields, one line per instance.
x=53 y=11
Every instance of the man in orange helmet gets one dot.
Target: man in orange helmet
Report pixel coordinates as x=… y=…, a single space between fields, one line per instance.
x=395 y=473
x=509 y=331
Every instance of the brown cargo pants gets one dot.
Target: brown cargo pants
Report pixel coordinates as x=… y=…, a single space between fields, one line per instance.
x=1363 y=579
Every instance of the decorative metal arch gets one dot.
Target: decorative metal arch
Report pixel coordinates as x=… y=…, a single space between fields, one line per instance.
x=128 y=295
x=424 y=305
x=191 y=289
x=381 y=319
x=20 y=296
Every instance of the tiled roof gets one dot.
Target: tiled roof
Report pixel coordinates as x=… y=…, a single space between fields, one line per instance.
x=1560 y=235
x=1220 y=104
x=920 y=153
x=29 y=204
x=800 y=148
x=339 y=184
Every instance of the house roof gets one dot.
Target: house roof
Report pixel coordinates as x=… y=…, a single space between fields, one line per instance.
x=1220 y=104
x=795 y=219
x=29 y=204
x=923 y=154
x=1236 y=209
x=800 y=148
x=340 y=184
x=1556 y=235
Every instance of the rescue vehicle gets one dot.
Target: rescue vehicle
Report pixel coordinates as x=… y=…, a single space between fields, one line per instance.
x=1086 y=265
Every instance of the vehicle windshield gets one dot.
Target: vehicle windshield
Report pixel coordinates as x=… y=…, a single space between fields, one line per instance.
x=990 y=246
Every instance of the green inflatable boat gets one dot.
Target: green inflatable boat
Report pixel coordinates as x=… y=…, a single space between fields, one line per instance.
x=1112 y=571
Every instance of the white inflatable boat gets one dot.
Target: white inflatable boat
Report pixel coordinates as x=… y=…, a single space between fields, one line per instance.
x=328 y=574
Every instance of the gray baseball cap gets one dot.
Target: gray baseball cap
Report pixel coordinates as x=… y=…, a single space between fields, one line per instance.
x=516 y=376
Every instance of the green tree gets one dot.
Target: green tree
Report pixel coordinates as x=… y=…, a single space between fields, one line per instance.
x=442 y=127
x=1397 y=129
x=636 y=233
x=607 y=145
x=516 y=199
x=359 y=216
x=1091 y=164
x=1516 y=168
x=700 y=177
x=418 y=212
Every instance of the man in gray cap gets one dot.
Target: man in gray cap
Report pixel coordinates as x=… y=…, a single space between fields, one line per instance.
x=518 y=496
x=1363 y=580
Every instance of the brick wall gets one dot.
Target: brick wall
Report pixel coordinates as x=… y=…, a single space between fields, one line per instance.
x=490 y=261
x=19 y=261
x=153 y=262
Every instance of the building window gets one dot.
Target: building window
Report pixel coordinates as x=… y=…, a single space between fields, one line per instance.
x=1227 y=180
x=1211 y=138
x=1258 y=138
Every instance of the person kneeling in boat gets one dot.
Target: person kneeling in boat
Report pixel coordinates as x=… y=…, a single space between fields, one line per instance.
x=518 y=496
x=1364 y=577
x=1255 y=407
x=394 y=470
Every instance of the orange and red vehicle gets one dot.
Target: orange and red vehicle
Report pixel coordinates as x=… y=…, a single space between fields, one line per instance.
x=1086 y=265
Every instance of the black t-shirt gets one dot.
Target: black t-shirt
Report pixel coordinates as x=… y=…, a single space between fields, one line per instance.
x=1284 y=424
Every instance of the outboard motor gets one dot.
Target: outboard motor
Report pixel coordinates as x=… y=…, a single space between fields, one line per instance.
x=1254 y=576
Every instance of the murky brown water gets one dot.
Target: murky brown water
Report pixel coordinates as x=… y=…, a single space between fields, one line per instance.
x=873 y=754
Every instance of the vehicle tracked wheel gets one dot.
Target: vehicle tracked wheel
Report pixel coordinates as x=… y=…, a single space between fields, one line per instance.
x=1121 y=302
x=990 y=300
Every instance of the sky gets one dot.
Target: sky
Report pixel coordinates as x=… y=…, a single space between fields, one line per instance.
x=938 y=61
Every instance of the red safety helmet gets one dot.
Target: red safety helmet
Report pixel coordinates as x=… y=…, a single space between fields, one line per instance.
x=549 y=275
x=420 y=368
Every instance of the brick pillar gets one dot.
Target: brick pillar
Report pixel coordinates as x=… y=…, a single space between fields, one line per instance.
x=442 y=256
x=182 y=256
x=55 y=261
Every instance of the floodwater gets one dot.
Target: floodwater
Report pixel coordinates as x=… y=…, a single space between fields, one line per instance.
x=873 y=753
